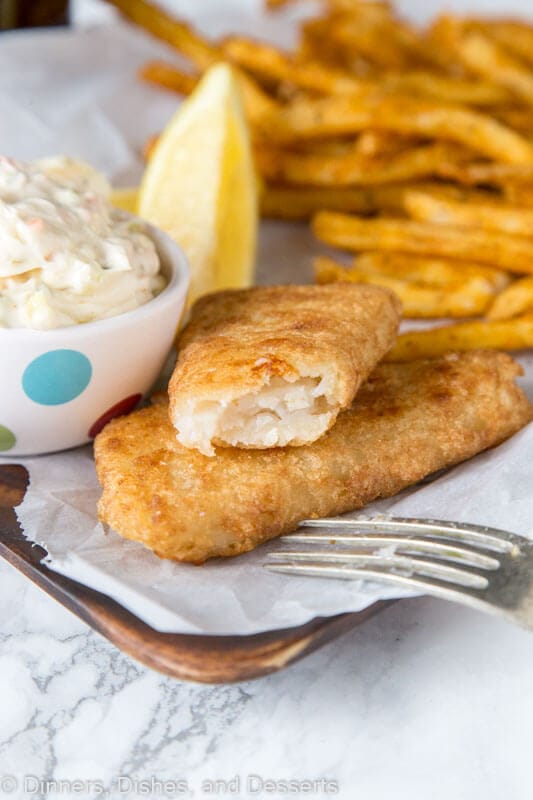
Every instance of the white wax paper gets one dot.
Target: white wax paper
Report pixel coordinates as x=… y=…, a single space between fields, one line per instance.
x=75 y=92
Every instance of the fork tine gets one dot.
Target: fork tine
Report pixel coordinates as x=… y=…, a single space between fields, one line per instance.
x=401 y=545
x=465 y=595
x=346 y=562
x=480 y=536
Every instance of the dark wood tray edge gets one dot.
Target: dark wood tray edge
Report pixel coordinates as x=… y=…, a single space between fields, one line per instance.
x=200 y=658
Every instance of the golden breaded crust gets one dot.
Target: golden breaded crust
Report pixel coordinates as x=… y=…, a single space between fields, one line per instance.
x=407 y=421
x=237 y=341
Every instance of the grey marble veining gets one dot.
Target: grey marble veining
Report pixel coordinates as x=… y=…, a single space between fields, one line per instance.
x=424 y=700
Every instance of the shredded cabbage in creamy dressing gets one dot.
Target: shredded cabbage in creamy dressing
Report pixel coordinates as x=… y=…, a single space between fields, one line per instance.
x=66 y=255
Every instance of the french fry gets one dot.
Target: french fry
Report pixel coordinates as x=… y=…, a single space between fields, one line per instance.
x=355 y=35
x=275 y=5
x=425 y=207
x=376 y=33
x=353 y=169
x=419 y=301
x=518 y=117
x=373 y=11
x=400 y=46
x=518 y=194
x=169 y=29
x=488 y=59
x=300 y=203
x=257 y=103
x=420 y=49
x=513 y=334
x=511 y=253
x=514 y=301
x=517 y=37
x=486 y=174
x=446 y=89
x=382 y=143
x=149 y=146
x=371 y=115
x=336 y=116
x=433 y=271
x=168 y=77
x=328 y=147
x=315 y=45
x=270 y=63
x=458 y=192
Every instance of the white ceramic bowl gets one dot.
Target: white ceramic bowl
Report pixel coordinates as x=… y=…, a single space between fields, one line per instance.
x=59 y=387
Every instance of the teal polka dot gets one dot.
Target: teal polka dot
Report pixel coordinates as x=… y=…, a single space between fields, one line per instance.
x=57 y=377
x=7 y=439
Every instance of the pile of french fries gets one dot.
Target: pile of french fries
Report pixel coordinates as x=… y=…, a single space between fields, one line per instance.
x=410 y=148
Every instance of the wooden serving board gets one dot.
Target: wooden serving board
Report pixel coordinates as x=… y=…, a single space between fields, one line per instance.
x=207 y=659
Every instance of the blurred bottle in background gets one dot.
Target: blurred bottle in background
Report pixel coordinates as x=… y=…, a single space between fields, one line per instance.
x=32 y=13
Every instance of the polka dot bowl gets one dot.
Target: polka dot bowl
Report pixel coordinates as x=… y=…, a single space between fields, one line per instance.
x=60 y=387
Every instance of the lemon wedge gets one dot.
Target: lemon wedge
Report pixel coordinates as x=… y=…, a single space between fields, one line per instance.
x=200 y=185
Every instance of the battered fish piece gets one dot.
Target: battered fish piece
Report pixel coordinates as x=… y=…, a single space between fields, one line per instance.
x=274 y=365
x=408 y=421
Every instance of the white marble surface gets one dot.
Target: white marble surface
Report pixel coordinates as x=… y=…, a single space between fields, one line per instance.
x=426 y=700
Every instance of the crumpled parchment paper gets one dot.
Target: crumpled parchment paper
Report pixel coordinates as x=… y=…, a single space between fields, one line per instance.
x=75 y=92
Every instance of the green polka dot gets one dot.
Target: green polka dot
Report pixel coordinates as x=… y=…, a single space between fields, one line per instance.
x=7 y=438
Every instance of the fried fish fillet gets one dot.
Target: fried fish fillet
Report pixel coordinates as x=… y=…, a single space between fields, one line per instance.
x=407 y=421
x=274 y=365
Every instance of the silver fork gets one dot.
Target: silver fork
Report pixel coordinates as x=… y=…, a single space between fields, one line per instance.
x=487 y=568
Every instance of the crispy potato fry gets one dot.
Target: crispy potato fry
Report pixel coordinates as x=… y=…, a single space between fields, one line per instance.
x=328 y=147
x=149 y=146
x=512 y=253
x=300 y=203
x=176 y=33
x=377 y=34
x=421 y=52
x=314 y=45
x=513 y=334
x=514 y=301
x=425 y=207
x=461 y=299
x=518 y=194
x=486 y=174
x=375 y=11
x=488 y=59
x=382 y=143
x=168 y=77
x=459 y=193
x=270 y=63
x=517 y=37
x=518 y=117
x=446 y=88
x=442 y=36
x=374 y=116
x=354 y=169
x=285 y=202
x=421 y=47
x=257 y=103
x=367 y=40
x=274 y=5
x=334 y=116
x=433 y=271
